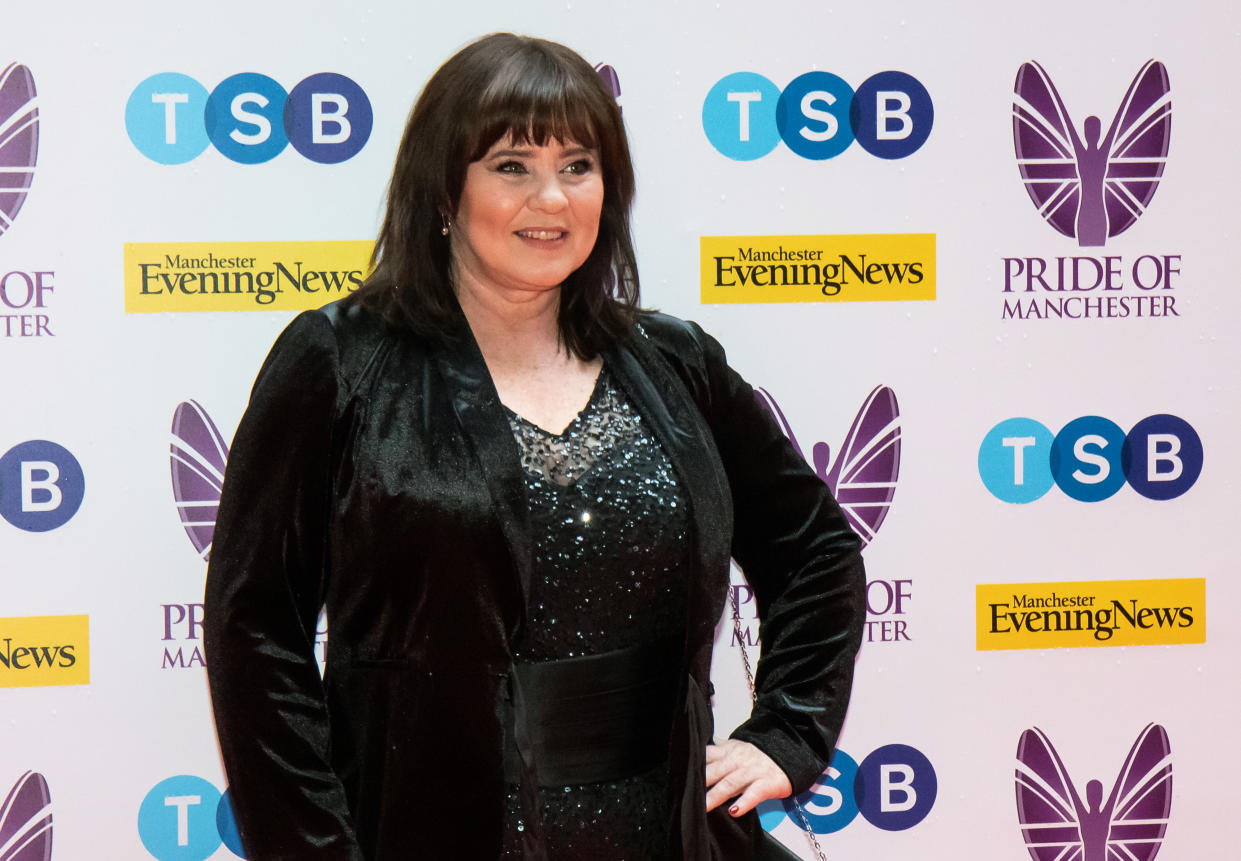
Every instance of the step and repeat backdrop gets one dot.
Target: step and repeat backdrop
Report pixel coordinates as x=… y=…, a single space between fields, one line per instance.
x=978 y=260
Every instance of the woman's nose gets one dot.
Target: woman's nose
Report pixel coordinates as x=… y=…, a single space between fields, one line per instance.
x=549 y=194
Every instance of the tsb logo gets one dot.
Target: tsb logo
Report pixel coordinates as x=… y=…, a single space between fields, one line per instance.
x=818 y=115
x=1090 y=458
x=185 y=818
x=249 y=118
x=894 y=789
x=41 y=485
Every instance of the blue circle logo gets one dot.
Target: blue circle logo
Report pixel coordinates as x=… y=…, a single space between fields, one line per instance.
x=812 y=115
x=249 y=118
x=328 y=118
x=1090 y=459
x=892 y=115
x=245 y=118
x=164 y=118
x=226 y=824
x=177 y=819
x=818 y=115
x=41 y=486
x=1013 y=460
x=1162 y=457
x=895 y=787
x=739 y=116
x=1085 y=458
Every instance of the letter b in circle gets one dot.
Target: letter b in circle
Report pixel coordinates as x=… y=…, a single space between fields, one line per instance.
x=328 y=118
x=892 y=115
x=41 y=486
x=895 y=787
x=1162 y=457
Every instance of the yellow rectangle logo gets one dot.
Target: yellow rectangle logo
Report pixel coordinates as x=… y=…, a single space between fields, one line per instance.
x=37 y=651
x=1090 y=613
x=876 y=267
x=241 y=276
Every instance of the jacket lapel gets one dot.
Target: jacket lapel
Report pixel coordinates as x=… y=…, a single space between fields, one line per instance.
x=477 y=407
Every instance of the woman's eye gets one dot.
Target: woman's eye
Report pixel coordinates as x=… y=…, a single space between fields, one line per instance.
x=511 y=167
x=581 y=166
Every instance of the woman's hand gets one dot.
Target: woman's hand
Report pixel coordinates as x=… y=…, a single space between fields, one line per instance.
x=738 y=768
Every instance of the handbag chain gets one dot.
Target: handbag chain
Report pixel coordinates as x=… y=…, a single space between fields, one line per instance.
x=749 y=680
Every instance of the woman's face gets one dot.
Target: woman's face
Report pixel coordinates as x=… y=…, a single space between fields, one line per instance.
x=528 y=215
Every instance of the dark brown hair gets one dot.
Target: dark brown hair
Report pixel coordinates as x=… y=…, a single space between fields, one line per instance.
x=533 y=90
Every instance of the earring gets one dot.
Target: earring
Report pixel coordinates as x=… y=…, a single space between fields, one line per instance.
x=447 y=224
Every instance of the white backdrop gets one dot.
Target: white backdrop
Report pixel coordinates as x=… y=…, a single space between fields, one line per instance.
x=104 y=384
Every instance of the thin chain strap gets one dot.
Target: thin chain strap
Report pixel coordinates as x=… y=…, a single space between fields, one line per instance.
x=739 y=639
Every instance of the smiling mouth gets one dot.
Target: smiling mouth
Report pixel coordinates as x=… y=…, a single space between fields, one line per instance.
x=544 y=235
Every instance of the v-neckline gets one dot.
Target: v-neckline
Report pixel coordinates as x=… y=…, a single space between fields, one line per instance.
x=595 y=394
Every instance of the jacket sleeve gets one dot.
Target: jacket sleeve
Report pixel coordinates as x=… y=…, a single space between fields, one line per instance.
x=804 y=563
x=264 y=590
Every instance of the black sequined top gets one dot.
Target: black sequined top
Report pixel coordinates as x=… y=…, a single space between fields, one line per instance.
x=611 y=531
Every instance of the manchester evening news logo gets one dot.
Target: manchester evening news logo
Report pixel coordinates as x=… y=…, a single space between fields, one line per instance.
x=241 y=276
x=863 y=268
x=1057 y=824
x=1091 y=185
x=1090 y=613
x=26 y=820
x=44 y=651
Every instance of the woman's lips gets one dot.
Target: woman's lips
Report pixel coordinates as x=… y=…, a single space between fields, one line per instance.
x=543 y=235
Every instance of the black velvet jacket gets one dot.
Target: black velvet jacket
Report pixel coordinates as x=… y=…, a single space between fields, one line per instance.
x=377 y=476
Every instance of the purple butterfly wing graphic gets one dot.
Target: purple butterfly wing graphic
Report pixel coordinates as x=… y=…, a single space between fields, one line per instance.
x=198 y=454
x=1129 y=826
x=19 y=139
x=1138 y=147
x=1094 y=187
x=1046 y=142
x=26 y=820
x=1047 y=801
x=863 y=476
x=1141 y=801
x=610 y=79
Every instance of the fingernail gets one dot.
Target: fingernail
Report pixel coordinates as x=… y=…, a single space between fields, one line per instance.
x=734 y=810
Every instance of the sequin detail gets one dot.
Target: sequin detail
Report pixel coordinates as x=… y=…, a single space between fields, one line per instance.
x=611 y=552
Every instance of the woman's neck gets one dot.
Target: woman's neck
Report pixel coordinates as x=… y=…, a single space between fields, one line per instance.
x=515 y=331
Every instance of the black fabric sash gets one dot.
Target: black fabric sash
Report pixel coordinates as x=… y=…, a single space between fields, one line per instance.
x=593 y=718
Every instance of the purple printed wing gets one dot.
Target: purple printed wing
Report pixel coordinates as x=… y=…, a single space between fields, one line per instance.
x=1048 y=807
x=1139 y=139
x=863 y=478
x=198 y=454
x=1047 y=147
x=1142 y=798
x=26 y=821
x=610 y=79
x=19 y=139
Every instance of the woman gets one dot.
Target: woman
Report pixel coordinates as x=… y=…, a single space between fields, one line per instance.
x=516 y=496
